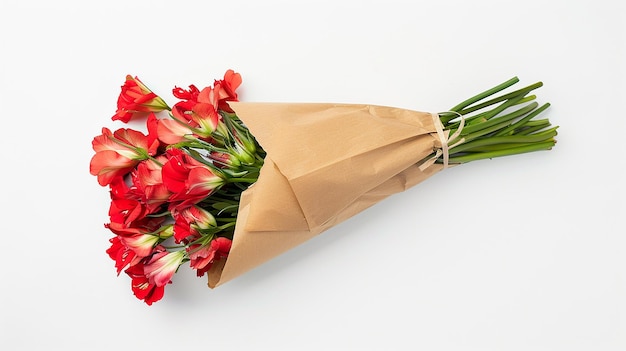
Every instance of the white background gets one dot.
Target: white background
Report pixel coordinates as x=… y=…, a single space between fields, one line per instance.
x=518 y=253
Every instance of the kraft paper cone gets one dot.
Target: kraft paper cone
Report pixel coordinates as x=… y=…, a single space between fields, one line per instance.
x=325 y=163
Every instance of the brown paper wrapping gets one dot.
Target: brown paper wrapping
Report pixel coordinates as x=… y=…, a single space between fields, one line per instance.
x=325 y=163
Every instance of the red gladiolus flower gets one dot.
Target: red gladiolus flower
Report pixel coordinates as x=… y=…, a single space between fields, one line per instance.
x=200 y=112
x=118 y=153
x=190 y=222
x=136 y=98
x=190 y=94
x=182 y=109
x=142 y=288
x=202 y=257
x=172 y=132
x=209 y=96
x=225 y=89
x=152 y=125
x=189 y=180
x=176 y=170
x=149 y=185
x=141 y=244
x=191 y=117
x=141 y=239
x=121 y=254
x=206 y=117
x=168 y=205
x=125 y=207
x=183 y=230
x=162 y=266
x=200 y=108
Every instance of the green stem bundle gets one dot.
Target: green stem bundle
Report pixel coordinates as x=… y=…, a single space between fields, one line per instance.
x=497 y=126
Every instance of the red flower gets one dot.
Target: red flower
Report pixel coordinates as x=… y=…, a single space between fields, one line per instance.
x=199 y=112
x=118 y=153
x=136 y=98
x=182 y=109
x=205 y=114
x=189 y=180
x=173 y=132
x=162 y=266
x=194 y=116
x=149 y=185
x=157 y=180
x=191 y=94
x=202 y=257
x=141 y=286
x=121 y=254
x=152 y=125
x=135 y=239
x=141 y=244
x=125 y=207
x=200 y=108
x=225 y=89
x=190 y=222
x=142 y=238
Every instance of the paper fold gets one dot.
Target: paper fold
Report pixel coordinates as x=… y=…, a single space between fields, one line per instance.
x=325 y=163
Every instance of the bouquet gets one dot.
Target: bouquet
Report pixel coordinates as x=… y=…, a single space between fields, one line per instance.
x=225 y=185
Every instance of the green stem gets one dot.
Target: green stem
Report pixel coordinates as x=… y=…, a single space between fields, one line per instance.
x=523 y=121
x=455 y=125
x=494 y=121
x=229 y=220
x=502 y=152
x=482 y=132
x=511 y=139
x=508 y=96
x=485 y=94
x=531 y=128
x=495 y=131
x=227 y=225
x=242 y=180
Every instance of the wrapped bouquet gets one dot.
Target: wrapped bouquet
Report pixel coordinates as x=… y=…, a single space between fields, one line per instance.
x=225 y=185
